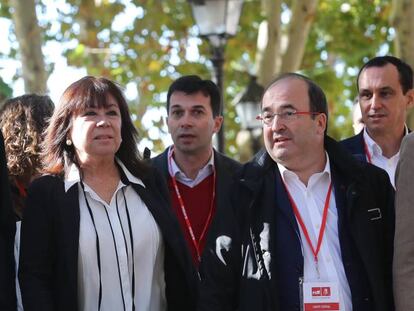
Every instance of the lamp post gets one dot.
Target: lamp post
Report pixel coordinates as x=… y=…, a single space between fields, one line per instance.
x=247 y=108
x=217 y=20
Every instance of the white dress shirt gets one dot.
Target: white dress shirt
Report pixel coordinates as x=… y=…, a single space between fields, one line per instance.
x=202 y=174
x=310 y=202
x=387 y=164
x=115 y=249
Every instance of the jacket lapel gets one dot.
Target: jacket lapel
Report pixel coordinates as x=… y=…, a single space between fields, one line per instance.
x=69 y=221
x=283 y=203
x=360 y=148
x=223 y=182
x=161 y=162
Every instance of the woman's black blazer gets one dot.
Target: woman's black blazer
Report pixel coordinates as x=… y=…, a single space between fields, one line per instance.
x=50 y=240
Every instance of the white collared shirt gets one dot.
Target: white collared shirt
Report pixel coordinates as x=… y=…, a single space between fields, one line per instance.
x=115 y=249
x=202 y=174
x=387 y=164
x=310 y=201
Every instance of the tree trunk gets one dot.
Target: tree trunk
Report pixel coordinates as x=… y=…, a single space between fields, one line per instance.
x=303 y=14
x=88 y=36
x=268 y=42
x=29 y=36
x=403 y=22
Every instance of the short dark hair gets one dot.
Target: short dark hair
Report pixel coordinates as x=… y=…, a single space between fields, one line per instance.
x=404 y=70
x=193 y=84
x=317 y=98
x=86 y=93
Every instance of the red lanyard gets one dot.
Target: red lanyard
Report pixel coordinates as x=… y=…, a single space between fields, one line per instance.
x=367 y=152
x=303 y=227
x=196 y=243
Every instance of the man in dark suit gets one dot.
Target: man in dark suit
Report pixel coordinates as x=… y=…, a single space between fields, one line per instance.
x=385 y=93
x=313 y=227
x=198 y=177
x=7 y=231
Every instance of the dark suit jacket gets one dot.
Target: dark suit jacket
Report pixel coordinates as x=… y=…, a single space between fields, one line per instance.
x=50 y=239
x=225 y=167
x=256 y=261
x=355 y=145
x=7 y=232
x=404 y=233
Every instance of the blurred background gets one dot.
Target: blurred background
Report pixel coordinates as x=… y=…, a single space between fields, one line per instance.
x=144 y=45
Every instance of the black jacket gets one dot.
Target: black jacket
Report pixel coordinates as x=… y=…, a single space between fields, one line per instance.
x=225 y=168
x=255 y=261
x=355 y=145
x=7 y=232
x=50 y=240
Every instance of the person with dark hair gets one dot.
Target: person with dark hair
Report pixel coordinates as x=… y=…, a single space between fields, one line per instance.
x=97 y=233
x=198 y=177
x=22 y=122
x=7 y=232
x=385 y=93
x=313 y=227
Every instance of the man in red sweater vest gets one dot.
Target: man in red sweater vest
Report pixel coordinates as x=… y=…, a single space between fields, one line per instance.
x=198 y=177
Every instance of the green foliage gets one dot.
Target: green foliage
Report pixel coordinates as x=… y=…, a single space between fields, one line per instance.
x=152 y=51
x=160 y=44
x=5 y=9
x=345 y=35
x=5 y=91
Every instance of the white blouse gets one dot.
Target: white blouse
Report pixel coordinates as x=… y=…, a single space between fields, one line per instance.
x=121 y=250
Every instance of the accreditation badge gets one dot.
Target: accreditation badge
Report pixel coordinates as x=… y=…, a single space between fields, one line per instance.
x=320 y=296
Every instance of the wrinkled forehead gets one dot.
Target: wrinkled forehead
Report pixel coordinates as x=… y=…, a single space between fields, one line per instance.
x=286 y=93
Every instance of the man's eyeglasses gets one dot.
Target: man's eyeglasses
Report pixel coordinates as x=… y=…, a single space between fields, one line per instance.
x=288 y=115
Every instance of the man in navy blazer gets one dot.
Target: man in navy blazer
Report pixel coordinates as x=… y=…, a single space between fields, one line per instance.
x=7 y=231
x=385 y=93
x=310 y=220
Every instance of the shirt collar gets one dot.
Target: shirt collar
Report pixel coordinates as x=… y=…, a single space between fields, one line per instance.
x=174 y=170
x=288 y=175
x=373 y=147
x=72 y=176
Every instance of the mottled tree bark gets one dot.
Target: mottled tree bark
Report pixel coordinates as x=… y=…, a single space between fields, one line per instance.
x=303 y=14
x=402 y=19
x=29 y=36
x=273 y=57
x=268 y=45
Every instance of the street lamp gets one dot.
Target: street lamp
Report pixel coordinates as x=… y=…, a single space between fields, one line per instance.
x=248 y=108
x=217 y=21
